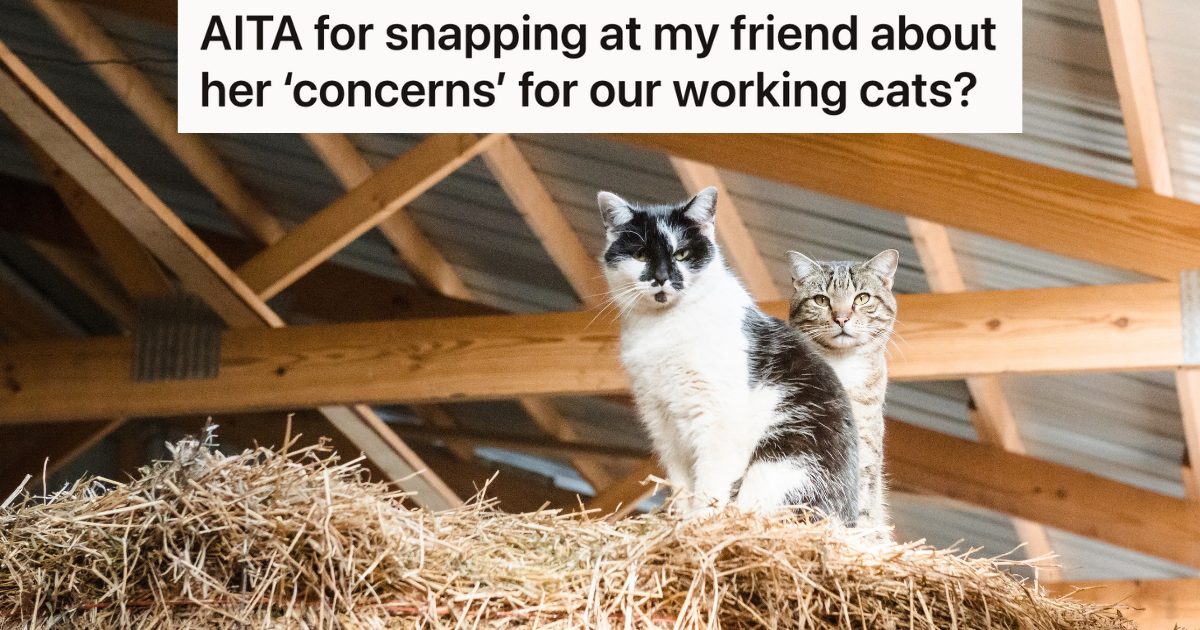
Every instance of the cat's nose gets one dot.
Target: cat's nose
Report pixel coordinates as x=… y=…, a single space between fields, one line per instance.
x=662 y=274
x=842 y=320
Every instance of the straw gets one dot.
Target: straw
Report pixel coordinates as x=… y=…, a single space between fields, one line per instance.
x=298 y=539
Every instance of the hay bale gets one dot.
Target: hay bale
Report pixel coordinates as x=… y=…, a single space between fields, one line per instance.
x=299 y=540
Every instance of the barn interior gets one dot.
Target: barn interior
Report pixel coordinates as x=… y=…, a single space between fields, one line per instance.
x=434 y=302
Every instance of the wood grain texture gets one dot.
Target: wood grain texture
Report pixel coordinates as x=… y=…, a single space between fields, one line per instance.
x=922 y=460
x=381 y=445
x=160 y=117
x=130 y=263
x=546 y=221
x=735 y=239
x=45 y=120
x=1126 y=36
x=1111 y=328
x=1031 y=331
x=1153 y=604
x=49 y=124
x=313 y=366
x=991 y=414
x=966 y=188
x=413 y=249
x=359 y=210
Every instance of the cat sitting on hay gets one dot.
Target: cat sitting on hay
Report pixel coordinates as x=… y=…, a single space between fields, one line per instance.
x=744 y=408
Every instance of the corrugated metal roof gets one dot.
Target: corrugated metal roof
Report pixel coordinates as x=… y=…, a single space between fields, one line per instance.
x=1124 y=426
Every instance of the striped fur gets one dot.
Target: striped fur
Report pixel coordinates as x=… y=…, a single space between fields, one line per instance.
x=853 y=338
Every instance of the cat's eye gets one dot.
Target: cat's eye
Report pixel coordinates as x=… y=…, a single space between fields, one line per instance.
x=683 y=254
x=821 y=300
x=640 y=254
x=862 y=298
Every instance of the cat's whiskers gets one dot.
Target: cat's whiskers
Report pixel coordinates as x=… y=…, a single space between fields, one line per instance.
x=614 y=300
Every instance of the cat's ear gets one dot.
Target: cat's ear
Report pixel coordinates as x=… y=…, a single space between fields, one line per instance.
x=884 y=266
x=614 y=210
x=802 y=266
x=703 y=207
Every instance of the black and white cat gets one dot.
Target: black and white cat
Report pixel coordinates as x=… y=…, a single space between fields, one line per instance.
x=739 y=408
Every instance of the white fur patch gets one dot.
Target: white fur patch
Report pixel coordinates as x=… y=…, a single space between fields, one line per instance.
x=767 y=484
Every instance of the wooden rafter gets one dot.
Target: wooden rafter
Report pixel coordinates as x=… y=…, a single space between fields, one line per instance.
x=40 y=116
x=25 y=316
x=131 y=264
x=422 y=258
x=89 y=277
x=1060 y=330
x=105 y=178
x=155 y=11
x=533 y=446
x=731 y=231
x=966 y=188
x=140 y=95
x=623 y=496
x=548 y=419
x=1126 y=35
x=546 y=220
x=1152 y=604
x=359 y=210
x=414 y=250
x=992 y=416
x=924 y=461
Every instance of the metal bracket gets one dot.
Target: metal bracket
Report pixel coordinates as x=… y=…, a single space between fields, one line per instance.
x=1189 y=307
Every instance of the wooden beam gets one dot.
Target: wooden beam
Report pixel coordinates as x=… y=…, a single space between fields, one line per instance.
x=921 y=460
x=991 y=415
x=731 y=231
x=533 y=446
x=165 y=14
x=1042 y=331
x=1152 y=604
x=131 y=264
x=400 y=463
x=516 y=491
x=24 y=314
x=140 y=95
x=363 y=208
x=547 y=417
x=73 y=147
x=1126 y=35
x=546 y=220
x=437 y=417
x=1187 y=383
x=622 y=497
x=966 y=188
x=89 y=277
x=413 y=249
x=431 y=269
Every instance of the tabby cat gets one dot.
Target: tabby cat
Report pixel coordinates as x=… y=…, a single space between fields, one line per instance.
x=847 y=310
